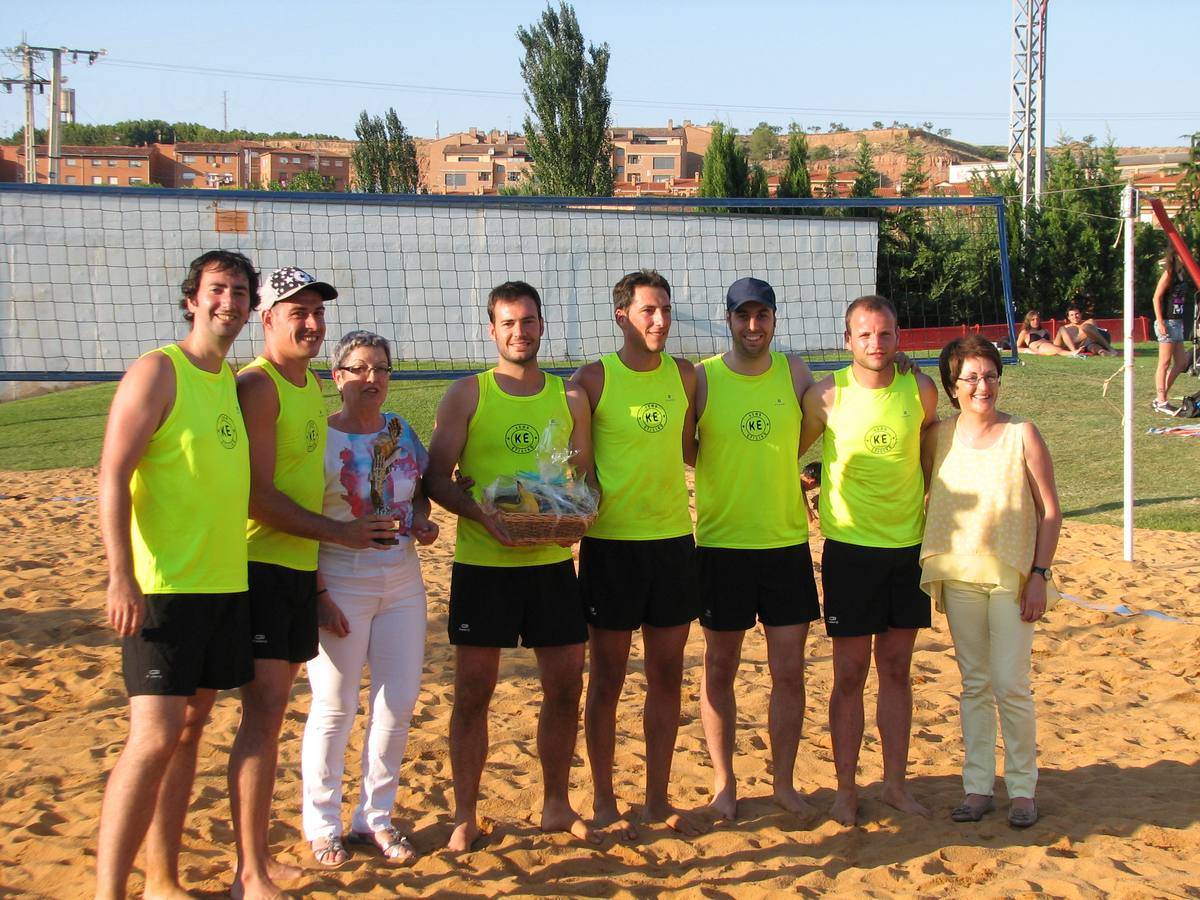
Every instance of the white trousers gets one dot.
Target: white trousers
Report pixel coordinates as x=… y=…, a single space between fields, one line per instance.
x=386 y=609
x=993 y=648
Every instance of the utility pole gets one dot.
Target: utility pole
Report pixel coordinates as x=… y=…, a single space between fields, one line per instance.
x=224 y=110
x=1027 y=104
x=29 y=80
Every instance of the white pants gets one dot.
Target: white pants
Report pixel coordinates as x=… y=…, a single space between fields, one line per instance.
x=993 y=648
x=386 y=609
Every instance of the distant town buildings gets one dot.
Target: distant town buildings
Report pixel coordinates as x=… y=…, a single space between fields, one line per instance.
x=646 y=161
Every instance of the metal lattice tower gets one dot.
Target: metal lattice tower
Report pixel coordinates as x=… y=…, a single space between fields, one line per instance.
x=1027 y=107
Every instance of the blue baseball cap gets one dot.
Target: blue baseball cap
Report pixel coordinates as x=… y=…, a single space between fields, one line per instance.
x=749 y=290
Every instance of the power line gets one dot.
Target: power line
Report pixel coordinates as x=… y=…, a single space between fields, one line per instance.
x=639 y=102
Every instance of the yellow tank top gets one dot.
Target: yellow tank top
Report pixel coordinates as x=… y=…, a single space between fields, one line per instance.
x=502 y=439
x=872 y=490
x=637 y=438
x=990 y=539
x=300 y=430
x=748 y=493
x=191 y=489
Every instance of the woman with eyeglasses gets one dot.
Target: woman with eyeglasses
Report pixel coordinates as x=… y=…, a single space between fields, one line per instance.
x=991 y=530
x=371 y=609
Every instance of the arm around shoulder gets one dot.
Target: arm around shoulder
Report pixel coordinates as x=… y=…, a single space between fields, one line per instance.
x=814 y=407
x=688 y=376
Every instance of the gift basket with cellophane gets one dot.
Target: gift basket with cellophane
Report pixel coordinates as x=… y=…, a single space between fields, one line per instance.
x=552 y=504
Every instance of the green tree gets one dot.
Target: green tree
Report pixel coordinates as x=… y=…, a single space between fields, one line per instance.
x=914 y=178
x=764 y=141
x=567 y=94
x=866 y=176
x=758 y=185
x=385 y=157
x=309 y=180
x=725 y=171
x=829 y=186
x=795 y=180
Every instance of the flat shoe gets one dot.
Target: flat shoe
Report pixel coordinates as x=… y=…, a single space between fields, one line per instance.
x=1019 y=817
x=332 y=855
x=970 y=812
x=396 y=848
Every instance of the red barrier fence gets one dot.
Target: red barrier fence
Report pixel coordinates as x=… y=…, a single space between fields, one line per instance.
x=936 y=338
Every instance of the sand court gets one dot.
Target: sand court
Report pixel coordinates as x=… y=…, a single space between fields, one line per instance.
x=1119 y=733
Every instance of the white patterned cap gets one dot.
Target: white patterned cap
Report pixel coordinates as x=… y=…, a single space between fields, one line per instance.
x=288 y=281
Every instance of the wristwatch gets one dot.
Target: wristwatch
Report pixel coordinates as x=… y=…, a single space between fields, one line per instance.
x=1041 y=570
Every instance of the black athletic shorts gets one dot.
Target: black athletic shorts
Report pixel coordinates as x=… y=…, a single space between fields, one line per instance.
x=283 y=612
x=627 y=584
x=189 y=641
x=493 y=606
x=871 y=589
x=775 y=584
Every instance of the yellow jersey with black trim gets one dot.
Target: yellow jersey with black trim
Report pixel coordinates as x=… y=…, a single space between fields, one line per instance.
x=502 y=440
x=872 y=488
x=748 y=493
x=191 y=488
x=637 y=440
x=300 y=430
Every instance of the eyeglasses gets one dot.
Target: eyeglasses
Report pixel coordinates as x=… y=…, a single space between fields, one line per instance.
x=974 y=380
x=362 y=369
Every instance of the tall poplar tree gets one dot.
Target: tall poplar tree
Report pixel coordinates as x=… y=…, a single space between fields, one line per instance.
x=385 y=157
x=795 y=180
x=567 y=94
x=726 y=169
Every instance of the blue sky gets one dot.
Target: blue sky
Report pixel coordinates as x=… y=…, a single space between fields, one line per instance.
x=288 y=65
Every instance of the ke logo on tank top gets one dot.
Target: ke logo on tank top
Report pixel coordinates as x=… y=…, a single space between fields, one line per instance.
x=226 y=431
x=881 y=440
x=651 y=417
x=310 y=436
x=521 y=438
x=755 y=425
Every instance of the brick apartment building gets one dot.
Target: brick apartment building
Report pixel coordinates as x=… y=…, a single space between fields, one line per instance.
x=82 y=165
x=645 y=160
x=245 y=165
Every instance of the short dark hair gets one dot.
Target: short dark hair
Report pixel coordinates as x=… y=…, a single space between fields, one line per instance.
x=957 y=352
x=222 y=261
x=873 y=303
x=509 y=291
x=624 y=289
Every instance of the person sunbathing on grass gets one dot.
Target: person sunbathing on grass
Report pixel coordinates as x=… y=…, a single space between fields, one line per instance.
x=1079 y=336
x=1035 y=338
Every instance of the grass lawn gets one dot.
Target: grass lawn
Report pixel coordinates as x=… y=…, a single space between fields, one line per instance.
x=1062 y=396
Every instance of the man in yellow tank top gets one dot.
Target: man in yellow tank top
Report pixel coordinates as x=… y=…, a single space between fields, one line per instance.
x=286 y=425
x=752 y=536
x=488 y=425
x=174 y=486
x=637 y=562
x=874 y=418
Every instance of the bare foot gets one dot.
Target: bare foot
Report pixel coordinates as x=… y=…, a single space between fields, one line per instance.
x=281 y=871
x=247 y=888
x=723 y=805
x=897 y=795
x=464 y=835
x=845 y=808
x=791 y=800
x=675 y=819
x=166 y=891
x=607 y=817
x=560 y=817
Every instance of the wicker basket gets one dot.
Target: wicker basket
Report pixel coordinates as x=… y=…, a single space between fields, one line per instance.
x=527 y=529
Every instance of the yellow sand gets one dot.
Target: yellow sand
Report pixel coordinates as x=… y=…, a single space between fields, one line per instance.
x=1118 y=708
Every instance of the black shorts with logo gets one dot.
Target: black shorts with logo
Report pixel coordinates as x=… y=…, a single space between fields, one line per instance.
x=188 y=642
x=283 y=612
x=494 y=606
x=775 y=585
x=627 y=584
x=871 y=589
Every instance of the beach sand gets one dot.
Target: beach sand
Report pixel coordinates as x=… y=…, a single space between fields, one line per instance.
x=1118 y=707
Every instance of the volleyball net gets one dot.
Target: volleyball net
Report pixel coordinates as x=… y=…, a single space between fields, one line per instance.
x=90 y=276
